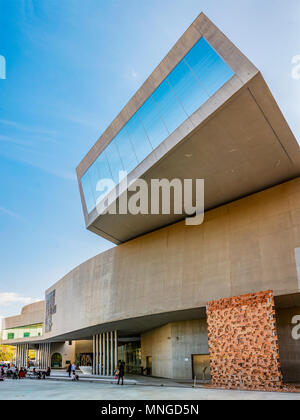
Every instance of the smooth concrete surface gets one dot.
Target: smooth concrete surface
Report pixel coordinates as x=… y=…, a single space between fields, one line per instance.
x=59 y=390
x=30 y=315
x=237 y=152
x=172 y=346
x=245 y=246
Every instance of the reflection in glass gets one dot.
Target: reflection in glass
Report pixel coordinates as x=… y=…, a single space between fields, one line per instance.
x=103 y=173
x=196 y=78
x=138 y=137
x=87 y=190
x=187 y=88
x=152 y=122
x=208 y=66
x=114 y=160
x=126 y=151
x=169 y=108
x=94 y=179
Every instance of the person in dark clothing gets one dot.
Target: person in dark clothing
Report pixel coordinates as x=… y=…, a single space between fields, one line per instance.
x=121 y=372
x=69 y=369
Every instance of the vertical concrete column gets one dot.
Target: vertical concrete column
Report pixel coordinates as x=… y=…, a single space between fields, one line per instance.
x=17 y=354
x=17 y=349
x=111 y=353
x=97 y=354
x=107 y=354
x=104 y=354
x=26 y=355
x=23 y=346
x=116 y=348
x=21 y=355
x=100 y=354
x=41 y=355
x=94 y=354
x=48 y=355
x=36 y=357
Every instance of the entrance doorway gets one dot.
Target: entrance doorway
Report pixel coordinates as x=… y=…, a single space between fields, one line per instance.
x=56 y=361
x=201 y=367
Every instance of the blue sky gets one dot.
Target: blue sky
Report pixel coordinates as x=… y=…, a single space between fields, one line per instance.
x=71 y=66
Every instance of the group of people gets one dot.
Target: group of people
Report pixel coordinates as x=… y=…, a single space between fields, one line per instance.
x=12 y=371
x=71 y=369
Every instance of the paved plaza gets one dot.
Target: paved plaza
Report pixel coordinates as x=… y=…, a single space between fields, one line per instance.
x=29 y=389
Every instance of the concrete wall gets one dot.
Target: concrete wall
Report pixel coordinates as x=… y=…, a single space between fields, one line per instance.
x=30 y=314
x=158 y=345
x=172 y=344
x=245 y=246
x=289 y=348
x=66 y=350
x=172 y=347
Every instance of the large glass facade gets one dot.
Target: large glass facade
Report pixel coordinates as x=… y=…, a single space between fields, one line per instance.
x=131 y=354
x=198 y=76
x=23 y=332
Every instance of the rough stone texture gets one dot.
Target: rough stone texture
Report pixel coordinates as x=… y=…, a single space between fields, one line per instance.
x=243 y=343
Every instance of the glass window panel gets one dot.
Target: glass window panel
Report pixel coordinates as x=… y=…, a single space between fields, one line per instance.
x=198 y=76
x=187 y=88
x=138 y=138
x=114 y=161
x=94 y=179
x=103 y=171
x=208 y=66
x=152 y=122
x=87 y=191
x=169 y=108
x=126 y=151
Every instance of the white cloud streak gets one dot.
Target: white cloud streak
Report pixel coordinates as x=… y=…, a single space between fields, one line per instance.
x=12 y=214
x=10 y=298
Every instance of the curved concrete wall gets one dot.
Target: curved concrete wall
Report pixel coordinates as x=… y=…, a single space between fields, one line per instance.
x=30 y=315
x=246 y=246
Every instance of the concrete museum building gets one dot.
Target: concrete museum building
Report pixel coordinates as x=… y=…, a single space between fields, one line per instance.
x=216 y=299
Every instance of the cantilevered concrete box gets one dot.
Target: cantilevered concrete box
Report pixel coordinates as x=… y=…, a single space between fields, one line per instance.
x=238 y=141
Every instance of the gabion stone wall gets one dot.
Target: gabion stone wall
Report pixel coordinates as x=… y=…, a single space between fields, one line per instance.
x=243 y=343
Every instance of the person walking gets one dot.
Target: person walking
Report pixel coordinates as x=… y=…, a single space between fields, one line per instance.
x=121 y=372
x=73 y=369
x=69 y=369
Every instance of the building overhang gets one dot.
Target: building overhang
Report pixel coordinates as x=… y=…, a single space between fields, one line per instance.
x=238 y=141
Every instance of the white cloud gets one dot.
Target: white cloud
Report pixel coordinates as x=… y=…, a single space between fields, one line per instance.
x=10 y=298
